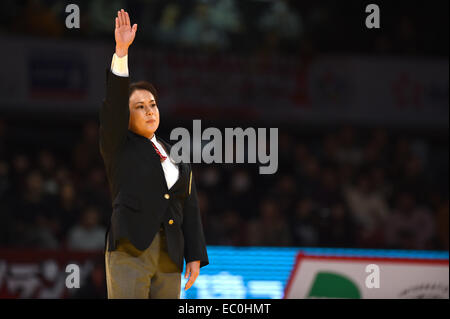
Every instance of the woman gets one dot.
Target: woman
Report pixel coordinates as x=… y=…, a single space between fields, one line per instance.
x=155 y=221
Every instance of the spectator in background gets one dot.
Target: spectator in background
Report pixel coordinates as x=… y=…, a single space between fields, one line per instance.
x=207 y=216
x=401 y=154
x=379 y=145
x=100 y=13
x=95 y=190
x=285 y=152
x=329 y=150
x=346 y=174
x=226 y=17
x=381 y=185
x=212 y=181
x=47 y=166
x=349 y=152
x=271 y=228
x=233 y=225
x=282 y=21
x=368 y=208
x=68 y=207
x=409 y=226
x=299 y=157
x=209 y=26
x=37 y=18
x=210 y=178
x=240 y=193
x=413 y=178
x=167 y=29
x=88 y=234
x=337 y=228
x=35 y=225
x=329 y=190
x=197 y=30
x=20 y=168
x=306 y=224
x=372 y=154
x=63 y=175
x=86 y=153
x=285 y=192
x=310 y=177
x=226 y=229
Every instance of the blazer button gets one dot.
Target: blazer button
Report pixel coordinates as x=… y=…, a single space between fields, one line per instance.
x=166 y=196
x=171 y=222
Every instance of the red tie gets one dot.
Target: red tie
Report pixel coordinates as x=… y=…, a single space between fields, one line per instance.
x=162 y=157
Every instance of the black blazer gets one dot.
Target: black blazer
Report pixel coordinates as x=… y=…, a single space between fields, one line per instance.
x=142 y=203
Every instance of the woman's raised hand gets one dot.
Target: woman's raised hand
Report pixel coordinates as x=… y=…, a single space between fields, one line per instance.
x=124 y=33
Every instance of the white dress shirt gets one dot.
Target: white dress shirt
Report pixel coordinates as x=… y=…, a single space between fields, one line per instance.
x=171 y=171
x=119 y=66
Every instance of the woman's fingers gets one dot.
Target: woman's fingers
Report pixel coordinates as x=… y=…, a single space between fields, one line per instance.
x=192 y=279
x=124 y=15
x=121 y=18
x=118 y=19
x=127 y=18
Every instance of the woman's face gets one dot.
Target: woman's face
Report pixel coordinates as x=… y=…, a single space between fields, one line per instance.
x=144 y=113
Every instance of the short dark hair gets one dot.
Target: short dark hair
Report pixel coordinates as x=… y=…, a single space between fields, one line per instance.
x=142 y=85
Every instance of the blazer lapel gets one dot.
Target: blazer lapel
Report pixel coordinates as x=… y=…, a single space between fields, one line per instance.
x=145 y=148
x=181 y=166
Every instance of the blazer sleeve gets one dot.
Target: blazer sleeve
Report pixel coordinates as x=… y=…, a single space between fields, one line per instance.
x=114 y=115
x=194 y=239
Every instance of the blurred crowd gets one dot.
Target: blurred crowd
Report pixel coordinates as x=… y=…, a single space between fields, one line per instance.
x=305 y=27
x=336 y=186
x=343 y=187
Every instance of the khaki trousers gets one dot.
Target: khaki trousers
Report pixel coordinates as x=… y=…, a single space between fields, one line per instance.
x=132 y=273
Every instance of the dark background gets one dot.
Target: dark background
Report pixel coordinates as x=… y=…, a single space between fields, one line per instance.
x=343 y=181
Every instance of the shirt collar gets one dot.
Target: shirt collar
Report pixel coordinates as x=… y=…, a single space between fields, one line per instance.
x=158 y=145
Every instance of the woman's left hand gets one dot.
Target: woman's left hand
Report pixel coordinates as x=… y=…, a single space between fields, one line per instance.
x=192 y=269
